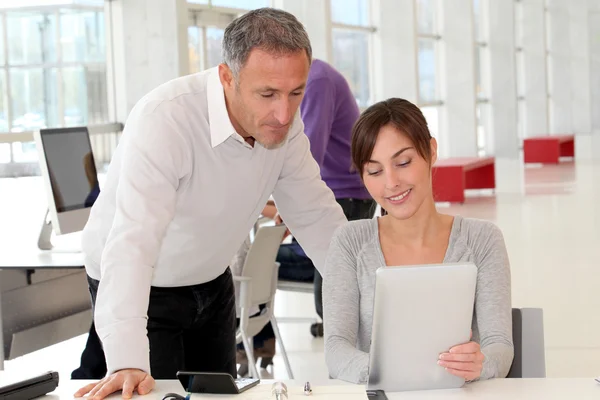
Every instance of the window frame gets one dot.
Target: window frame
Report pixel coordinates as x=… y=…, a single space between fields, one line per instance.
x=202 y=17
x=437 y=40
x=14 y=168
x=370 y=29
x=437 y=104
x=482 y=70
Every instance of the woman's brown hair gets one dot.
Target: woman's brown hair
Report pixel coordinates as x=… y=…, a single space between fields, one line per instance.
x=402 y=115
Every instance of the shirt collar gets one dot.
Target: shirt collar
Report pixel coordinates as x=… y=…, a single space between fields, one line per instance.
x=220 y=124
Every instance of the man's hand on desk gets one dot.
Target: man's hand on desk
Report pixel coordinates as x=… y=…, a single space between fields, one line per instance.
x=126 y=379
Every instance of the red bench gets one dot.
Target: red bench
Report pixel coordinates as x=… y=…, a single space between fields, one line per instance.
x=548 y=149
x=453 y=175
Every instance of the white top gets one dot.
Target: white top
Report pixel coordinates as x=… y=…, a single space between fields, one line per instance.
x=354 y=257
x=181 y=194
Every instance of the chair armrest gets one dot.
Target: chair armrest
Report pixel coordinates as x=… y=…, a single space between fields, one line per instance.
x=245 y=296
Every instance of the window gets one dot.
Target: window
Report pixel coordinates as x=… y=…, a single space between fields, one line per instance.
x=5 y=153
x=481 y=54
x=350 y=12
x=52 y=71
x=482 y=114
x=204 y=43
x=427 y=13
x=550 y=55
x=428 y=49
x=432 y=116
x=351 y=58
x=240 y=4
x=209 y=20
x=520 y=70
x=351 y=40
x=428 y=88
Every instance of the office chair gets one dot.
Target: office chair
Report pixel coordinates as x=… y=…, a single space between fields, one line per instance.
x=258 y=285
x=528 y=340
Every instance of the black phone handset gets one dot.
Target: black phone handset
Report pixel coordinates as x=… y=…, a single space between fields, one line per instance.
x=214 y=382
x=175 y=396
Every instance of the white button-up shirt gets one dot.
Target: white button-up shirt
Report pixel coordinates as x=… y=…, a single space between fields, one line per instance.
x=182 y=192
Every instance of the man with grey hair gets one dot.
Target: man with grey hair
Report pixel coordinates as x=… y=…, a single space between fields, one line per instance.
x=199 y=158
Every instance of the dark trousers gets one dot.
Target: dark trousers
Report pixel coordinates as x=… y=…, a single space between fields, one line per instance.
x=190 y=328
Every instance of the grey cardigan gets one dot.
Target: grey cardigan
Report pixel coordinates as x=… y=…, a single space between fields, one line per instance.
x=349 y=286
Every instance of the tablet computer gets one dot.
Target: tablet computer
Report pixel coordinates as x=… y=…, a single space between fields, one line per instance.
x=419 y=312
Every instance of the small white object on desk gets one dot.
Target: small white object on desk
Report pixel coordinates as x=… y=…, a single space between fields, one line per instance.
x=307 y=389
x=279 y=391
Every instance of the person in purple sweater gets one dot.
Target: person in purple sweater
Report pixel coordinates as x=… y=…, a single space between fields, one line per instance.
x=329 y=111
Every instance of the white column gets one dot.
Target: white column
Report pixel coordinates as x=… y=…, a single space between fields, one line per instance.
x=535 y=75
x=560 y=77
x=395 y=50
x=458 y=79
x=581 y=107
x=314 y=15
x=594 y=34
x=148 y=47
x=502 y=77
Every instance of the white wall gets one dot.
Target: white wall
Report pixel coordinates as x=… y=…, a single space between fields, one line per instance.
x=581 y=94
x=458 y=79
x=502 y=79
x=535 y=74
x=395 y=50
x=560 y=74
x=149 y=48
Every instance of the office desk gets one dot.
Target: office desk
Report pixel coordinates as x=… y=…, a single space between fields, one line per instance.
x=43 y=300
x=512 y=389
x=36 y=259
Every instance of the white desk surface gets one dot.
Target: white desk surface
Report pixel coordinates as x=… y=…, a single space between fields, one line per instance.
x=498 y=389
x=34 y=258
x=23 y=253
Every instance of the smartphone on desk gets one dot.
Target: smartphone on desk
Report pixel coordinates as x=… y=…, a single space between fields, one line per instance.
x=28 y=388
x=376 y=395
x=214 y=382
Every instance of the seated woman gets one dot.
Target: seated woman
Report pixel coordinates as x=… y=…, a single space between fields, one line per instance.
x=394 y=151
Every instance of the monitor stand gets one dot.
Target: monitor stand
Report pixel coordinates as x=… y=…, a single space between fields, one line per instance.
x=44 y=242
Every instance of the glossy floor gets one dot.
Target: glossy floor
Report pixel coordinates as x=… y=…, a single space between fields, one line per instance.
x=550 y=216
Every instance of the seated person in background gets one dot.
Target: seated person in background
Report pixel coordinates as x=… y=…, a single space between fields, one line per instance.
x=394 y=151
x=329 y=111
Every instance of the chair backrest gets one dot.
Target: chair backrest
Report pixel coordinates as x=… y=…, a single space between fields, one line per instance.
x=260 y=263
x=528 y=340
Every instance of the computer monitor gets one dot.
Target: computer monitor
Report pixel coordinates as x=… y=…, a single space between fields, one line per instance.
x=70 y=179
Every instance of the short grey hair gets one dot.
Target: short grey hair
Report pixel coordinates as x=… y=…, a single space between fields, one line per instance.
x=272 y=30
